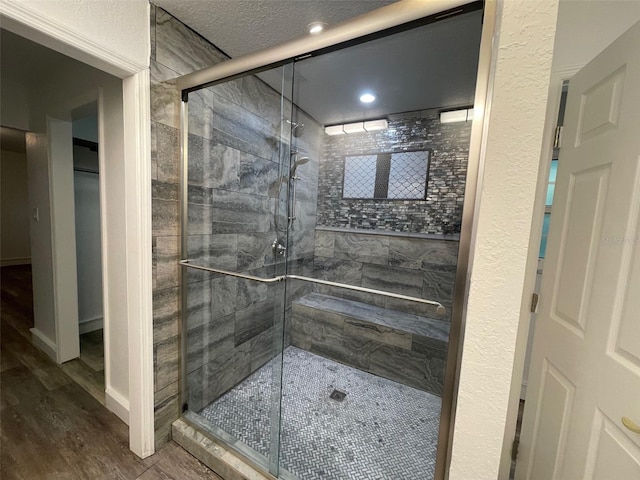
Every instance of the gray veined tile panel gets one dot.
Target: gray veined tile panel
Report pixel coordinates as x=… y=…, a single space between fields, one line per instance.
x=234 y=212
x=210 y=299
x=371 y=331
x=166 y=362
x=261 y=349
x=200 y=113
x=325 y=306
x=382 y=430
x=200 y=195
x=167 y=256
x=212 y=164
x=253 y=320
x=241 y=129
x=338 y=270
x=207 y=341
x=200 y=219
x=164 y=191
x=438 y=285
x=261 y=99
x=154 y=152
x=254 y=250
x=180 y=48
x=249 y=292
x=165 y=97
x=350 y=351
x=164 y=217
x=390 y=279
x=166 y=408
x=258 y=176
x=168 y=152
x=219 y=250
x=408 y=367
x=418 y=253
x=166 y=310
x=152 y=30
x=231 y=90
x=363 y=248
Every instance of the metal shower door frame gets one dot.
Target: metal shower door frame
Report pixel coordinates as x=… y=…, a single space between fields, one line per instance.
x=394 y=18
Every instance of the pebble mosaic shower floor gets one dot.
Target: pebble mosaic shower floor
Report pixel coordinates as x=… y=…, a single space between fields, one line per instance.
x=380 y=430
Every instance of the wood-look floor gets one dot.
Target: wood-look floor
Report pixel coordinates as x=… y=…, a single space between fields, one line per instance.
x=50 y=426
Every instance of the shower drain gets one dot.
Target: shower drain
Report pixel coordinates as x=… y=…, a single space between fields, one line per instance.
x=337 y=395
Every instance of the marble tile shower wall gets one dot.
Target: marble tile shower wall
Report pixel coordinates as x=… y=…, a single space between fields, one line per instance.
x=440 y=212
x=419 y=267
x=233 y=176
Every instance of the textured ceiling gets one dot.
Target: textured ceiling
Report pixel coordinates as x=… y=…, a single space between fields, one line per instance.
x=242 y=26
x=428 y=67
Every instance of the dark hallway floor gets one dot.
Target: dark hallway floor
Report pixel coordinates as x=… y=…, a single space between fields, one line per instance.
x=51 y=427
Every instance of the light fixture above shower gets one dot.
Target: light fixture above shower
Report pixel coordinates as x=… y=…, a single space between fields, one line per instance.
x=367 y=97
x=357 y=127
x=453 y=116
x=316 y=27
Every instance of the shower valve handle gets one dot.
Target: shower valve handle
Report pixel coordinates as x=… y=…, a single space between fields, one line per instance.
x=278 y=248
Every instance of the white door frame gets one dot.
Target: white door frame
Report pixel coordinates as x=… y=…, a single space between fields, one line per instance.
x=531 y=271
x=24 y=21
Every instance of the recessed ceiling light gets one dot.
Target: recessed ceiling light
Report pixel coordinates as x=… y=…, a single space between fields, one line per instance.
x=367 y=98
x=316 y=27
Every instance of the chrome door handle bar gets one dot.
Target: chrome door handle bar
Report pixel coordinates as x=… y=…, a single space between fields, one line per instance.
x=439 y=307
x=185 y=263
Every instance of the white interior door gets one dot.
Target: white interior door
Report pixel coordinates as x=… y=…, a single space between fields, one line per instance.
x=585 y=370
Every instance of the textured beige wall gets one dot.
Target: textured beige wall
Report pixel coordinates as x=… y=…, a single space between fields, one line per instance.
x=513 y=139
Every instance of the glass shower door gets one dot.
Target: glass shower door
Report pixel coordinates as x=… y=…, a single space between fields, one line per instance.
x=235 y=193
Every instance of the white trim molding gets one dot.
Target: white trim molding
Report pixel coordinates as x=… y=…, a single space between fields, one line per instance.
x=91 y=325
x=29 y=23
x=10 y=262
x=44 y=343
x=137 y=121
x=119 y=405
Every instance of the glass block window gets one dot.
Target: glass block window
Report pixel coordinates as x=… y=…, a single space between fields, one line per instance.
x=395 y=176
x=359 y=176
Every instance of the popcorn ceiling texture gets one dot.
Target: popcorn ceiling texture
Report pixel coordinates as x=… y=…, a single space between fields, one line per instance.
x=439 y=213
x=512 y=156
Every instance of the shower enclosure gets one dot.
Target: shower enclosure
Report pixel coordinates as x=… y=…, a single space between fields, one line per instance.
x=318 y=269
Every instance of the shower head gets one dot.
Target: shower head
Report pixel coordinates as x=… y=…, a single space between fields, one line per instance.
x=297 y=129
x=297 y=163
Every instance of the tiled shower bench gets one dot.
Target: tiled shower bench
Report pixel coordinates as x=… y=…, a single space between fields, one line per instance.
x=403 y=347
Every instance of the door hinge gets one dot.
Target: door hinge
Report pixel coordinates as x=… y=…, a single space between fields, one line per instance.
x=514 y=449
x=535 y=298
x=557 y=138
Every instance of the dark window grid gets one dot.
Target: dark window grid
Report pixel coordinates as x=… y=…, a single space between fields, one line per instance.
x=360 y=174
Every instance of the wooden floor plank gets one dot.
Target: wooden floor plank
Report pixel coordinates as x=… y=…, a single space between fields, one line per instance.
x=7 y=361
x=92 y=350
x=53 y=428
x=175 y=465
x=87 y=378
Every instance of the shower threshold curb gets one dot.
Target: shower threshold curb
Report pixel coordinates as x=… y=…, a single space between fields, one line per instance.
x=213 y=454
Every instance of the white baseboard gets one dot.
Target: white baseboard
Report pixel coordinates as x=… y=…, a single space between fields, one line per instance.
x=117 y=404
x=91 y=325
x=44 y=343
x=9 y=262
